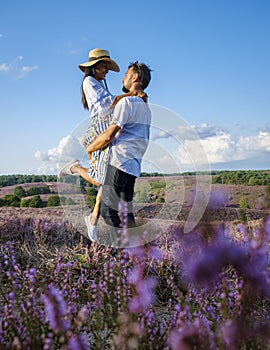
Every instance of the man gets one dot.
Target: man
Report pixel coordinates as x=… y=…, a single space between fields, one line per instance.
x=129 y=136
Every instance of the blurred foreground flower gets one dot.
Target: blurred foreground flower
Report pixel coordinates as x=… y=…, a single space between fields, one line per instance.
x=56 y=310
x=250 y=260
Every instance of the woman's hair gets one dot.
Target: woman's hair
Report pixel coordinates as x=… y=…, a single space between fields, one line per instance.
x=144 y=73
x=88 y=72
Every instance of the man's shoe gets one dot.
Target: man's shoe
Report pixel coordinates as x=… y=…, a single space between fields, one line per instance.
x=91 y=229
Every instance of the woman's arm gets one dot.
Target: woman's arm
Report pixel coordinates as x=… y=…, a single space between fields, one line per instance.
x=136 y=91
x=119 y=97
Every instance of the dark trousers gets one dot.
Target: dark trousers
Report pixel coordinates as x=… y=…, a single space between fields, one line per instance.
x=118 y=187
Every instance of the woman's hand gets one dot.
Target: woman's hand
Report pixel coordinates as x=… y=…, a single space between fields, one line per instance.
x=136 y=90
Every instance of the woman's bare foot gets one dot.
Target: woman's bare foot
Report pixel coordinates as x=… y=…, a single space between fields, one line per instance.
x=75 y=169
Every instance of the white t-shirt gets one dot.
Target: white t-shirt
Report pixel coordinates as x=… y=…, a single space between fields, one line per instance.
x=133 y=115
x=99 y=99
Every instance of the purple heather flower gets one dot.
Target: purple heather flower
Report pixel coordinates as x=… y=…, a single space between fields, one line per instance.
x=78 y=342
x=143 y=299
x=175 y=340
x=229 y=333
x=56 y=310
x=218 y=199
x=155 y=253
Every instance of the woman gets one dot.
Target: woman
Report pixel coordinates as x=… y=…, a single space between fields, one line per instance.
x=100 y=103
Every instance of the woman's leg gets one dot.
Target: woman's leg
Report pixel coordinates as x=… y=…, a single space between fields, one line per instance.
x=96 y=211
x=83 y=172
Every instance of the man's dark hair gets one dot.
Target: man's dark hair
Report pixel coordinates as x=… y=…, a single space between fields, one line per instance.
x=144 y=73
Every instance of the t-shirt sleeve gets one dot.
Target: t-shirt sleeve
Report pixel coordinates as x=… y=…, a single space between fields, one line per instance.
x=97 y=96
x=122 y=112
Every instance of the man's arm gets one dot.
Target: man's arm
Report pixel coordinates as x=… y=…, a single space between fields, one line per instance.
x=103 y=139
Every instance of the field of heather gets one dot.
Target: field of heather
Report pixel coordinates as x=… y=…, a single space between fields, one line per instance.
x=205 y=289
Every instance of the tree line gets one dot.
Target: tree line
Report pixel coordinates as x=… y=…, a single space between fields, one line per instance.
x=17 y=179
x=242 y=177
x=20 y=198
x=231 y=177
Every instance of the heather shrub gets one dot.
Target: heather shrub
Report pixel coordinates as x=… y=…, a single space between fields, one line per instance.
x=207 y=289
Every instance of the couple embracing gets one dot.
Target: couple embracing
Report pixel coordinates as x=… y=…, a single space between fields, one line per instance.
x=116 y=139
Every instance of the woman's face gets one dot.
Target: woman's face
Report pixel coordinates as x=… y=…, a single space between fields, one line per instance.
x=101 y=69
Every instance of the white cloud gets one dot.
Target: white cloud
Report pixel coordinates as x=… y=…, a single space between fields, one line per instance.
x=4 y=67
x=223 y=148
x=13 y=67
x=41 y=156
x=67 y=149
x=201 y=146
x=220 y=147
x=185 y=132
x=25 y=70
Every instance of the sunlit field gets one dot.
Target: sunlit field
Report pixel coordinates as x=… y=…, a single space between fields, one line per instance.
x=206 y=289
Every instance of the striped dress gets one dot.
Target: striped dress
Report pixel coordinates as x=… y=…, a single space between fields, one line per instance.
x=99 y=100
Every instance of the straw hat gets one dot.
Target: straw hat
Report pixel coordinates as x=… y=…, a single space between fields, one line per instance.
x=97 y=55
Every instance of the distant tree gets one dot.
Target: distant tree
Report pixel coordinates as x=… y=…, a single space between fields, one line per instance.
x=217 y=179
x=67 y=201
x=243 y=201
x=2 y=202
x=267 y=197
x=10 y=180
x=157 y=184
x=11 y=200
x=91 y=193
x=36 y=202
x=38 y=190
x=242 y=177
x=24 y=202
x=242 y=215
x=161 y=200
x=254 y=181
x=142 y=193
x=19 y=191
x=82 y=185
x=53 y=201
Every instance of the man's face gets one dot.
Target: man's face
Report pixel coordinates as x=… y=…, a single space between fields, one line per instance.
x=128 y=80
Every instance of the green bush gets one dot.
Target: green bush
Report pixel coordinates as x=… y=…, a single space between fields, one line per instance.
x=157 y=184
x=19 y=191
x=242 y=215
x=142 y=194
x=91 y=194
x=38 y=190
x=53 y=201
x=243 y=201
x=160 y=200
x=67 y=201
x=11 y=200
x=34 y=202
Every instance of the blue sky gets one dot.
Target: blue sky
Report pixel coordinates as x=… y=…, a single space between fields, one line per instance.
x=210 y=61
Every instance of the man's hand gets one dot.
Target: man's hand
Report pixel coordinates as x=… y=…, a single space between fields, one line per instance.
x=102 y=139
x=89 y=153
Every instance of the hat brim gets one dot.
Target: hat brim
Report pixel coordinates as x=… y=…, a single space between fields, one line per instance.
x=112 y=64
